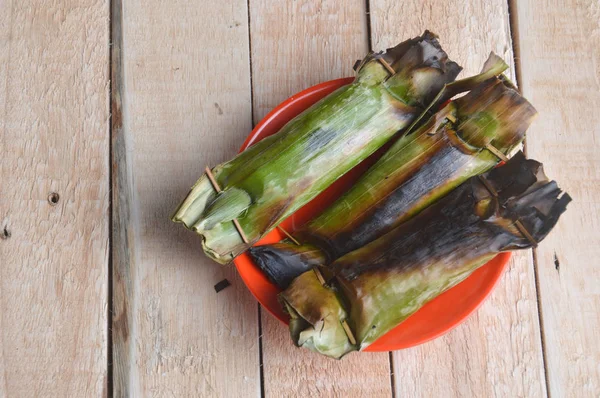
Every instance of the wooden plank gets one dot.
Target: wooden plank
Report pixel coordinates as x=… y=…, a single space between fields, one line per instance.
x=496 y=352
x=181 y=101
x=291 y=371
x=299 y=44
x=560 y=60
x=294 y=46
x=54 y=139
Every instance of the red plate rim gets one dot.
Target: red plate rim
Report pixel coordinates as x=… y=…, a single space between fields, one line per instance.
x=436 y=318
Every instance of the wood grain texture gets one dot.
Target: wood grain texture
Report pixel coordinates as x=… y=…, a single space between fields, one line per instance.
x=294 y=372
x=560 y=67
x=496 y=352
x=54 y=112
x=181 y=102
x=294 y=46
x=301 y=43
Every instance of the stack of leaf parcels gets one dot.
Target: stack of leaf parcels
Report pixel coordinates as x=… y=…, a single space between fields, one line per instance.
x=434 y=207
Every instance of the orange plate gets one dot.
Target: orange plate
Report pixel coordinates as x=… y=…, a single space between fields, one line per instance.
x=436 y=318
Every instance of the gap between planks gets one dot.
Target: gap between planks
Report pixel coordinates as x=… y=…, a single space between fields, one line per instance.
x=111 y=88
x=253 y=123
x=515 y=40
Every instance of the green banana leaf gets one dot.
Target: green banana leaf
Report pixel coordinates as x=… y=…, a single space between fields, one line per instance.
x=273 y=178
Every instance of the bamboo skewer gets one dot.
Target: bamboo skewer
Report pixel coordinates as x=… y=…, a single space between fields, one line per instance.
x=525 y=233
x=387 y=66
x=489 y=186
x=319 y=276
x=348 y=332
x=236 y=223
x=496 y=152
x=344 y=323
x=217 y=188
x=518 y=222
x=289 y=236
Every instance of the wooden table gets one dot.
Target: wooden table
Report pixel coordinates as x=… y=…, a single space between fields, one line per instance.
x=109 y=111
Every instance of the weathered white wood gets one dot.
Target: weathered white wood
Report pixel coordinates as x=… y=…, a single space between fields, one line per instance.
x=496 y=352
x=301 y=43
x=293 y=372
x=294 y=46
x=560 y=67
x=54 y=137
x=182 y=101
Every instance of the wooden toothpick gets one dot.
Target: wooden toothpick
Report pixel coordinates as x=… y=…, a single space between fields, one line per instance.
x=237 y=225
x=387 y=66
x=518 y=223
x=217 y=188
x=496 y=152
x=349 y=332
x=211 y=177
x=489 y=186
x=525 y=233
x=286 y=233
x=319 y=276
x=347 y=329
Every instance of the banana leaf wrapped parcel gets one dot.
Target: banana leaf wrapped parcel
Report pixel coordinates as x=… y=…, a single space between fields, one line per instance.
x=371 y=290
x=418 y=169
x=273 y=178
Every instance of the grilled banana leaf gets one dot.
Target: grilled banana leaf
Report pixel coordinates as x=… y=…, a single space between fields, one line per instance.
x=375 y=288
x=417 y=170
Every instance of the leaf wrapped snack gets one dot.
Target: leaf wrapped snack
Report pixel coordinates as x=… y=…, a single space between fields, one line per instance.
x=419 y=168
x=273 y=178
x=373 y=289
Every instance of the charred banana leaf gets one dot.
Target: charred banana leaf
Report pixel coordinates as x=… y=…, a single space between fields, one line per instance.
x=375 y=288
